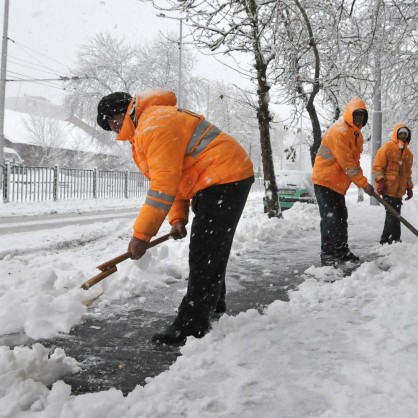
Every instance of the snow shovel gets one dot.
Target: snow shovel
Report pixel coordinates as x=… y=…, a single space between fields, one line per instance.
x=394 y=213
x=109 y=267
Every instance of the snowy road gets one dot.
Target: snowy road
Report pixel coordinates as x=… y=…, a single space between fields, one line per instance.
x=15 y=224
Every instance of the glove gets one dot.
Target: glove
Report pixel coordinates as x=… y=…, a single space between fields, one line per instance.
x=382 y=187
x=409 y=194
x=178 y=230
x=137 y=248
x=369 y=189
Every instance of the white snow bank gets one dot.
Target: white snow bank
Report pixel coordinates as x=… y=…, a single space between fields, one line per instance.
x=25 y=374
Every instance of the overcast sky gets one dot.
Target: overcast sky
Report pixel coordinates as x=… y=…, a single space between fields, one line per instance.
x=48 y=33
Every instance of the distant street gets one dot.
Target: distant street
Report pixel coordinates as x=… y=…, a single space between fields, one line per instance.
x=14 y=224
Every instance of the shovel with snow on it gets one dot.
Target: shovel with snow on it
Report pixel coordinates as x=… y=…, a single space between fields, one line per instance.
x=109 y=267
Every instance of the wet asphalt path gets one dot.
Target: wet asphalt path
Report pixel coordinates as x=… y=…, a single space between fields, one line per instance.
x=115 y=350
x=113 y=345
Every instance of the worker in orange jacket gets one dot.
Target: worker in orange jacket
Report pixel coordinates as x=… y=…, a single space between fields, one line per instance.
x=336 y=166
x=392 y=172
x=186 y=158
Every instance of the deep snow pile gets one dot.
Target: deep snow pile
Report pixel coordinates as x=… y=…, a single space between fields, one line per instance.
x=342 y=349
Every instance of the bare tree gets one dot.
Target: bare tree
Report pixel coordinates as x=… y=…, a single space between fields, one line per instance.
x=48 y=134
x=227 y=107
x=241 y=27
x=108 y=65
x=319 y=61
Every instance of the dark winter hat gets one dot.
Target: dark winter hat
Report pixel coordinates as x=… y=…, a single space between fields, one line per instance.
x=111 y=105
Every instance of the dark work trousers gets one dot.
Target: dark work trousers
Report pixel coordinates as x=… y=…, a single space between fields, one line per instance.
x=217 y=212
x=334 y=226
x=392 y=229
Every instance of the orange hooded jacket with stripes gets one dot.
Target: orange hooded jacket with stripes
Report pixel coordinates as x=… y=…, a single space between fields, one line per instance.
x=181 y=153
x=337 y=163
x=394 y=165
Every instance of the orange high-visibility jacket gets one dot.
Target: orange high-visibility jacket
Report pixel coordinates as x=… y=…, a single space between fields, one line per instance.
x=394 y=165
x=337 y=163
x=181 y=153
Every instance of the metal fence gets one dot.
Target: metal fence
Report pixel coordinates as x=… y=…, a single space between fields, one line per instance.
x=26 y=184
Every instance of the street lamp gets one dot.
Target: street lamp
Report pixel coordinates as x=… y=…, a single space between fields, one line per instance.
x=180 y=19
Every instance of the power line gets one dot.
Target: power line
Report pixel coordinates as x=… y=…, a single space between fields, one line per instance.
x=61 y=78
x=35 y=81
x=26 y=49
x=49 y=85
x=32 y=66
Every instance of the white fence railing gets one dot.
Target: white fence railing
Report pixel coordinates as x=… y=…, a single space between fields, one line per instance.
x=25 y=184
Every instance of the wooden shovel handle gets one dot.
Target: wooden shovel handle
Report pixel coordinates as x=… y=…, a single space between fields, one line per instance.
x=112 y=263
x=109 y=267
x=99 y=277
x=109 y=264
x=160 y=240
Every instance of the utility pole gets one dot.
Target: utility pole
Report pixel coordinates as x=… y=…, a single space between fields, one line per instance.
x=3 y=77
x=180 y=64
x=377 y=101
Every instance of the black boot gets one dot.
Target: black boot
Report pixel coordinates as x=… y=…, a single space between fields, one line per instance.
x=349 y=256
x=329 y=260
x=220 y=307
x=188 y=323
x=175 y=335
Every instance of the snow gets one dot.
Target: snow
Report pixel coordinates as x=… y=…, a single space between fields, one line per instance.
x=342 y=349
x=297 y=178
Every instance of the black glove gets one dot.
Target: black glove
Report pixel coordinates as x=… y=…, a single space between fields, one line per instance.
x=409 y=194
x=369 y=190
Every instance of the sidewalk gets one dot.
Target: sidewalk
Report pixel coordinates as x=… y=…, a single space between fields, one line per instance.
x=116 y=351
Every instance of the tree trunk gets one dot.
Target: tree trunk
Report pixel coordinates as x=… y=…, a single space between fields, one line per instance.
x=316 y=130
x=310 y=106
x=272 y=204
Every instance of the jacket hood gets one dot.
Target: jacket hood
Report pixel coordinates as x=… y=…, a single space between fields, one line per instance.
x=395 y=132
x=142 y=102
x=354 y=104
x=154 y=98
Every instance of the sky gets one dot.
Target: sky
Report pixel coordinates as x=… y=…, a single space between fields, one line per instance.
x=46 y=34
x=347 y=349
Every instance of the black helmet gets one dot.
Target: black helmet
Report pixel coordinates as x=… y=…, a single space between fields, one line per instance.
x=111 y=105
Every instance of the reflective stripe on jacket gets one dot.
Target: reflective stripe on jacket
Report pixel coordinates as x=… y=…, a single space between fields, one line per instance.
x=394 y=165
x=181 y=153
x=337 y=163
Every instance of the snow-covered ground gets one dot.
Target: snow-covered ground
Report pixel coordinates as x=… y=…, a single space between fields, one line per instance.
x=342 y=349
